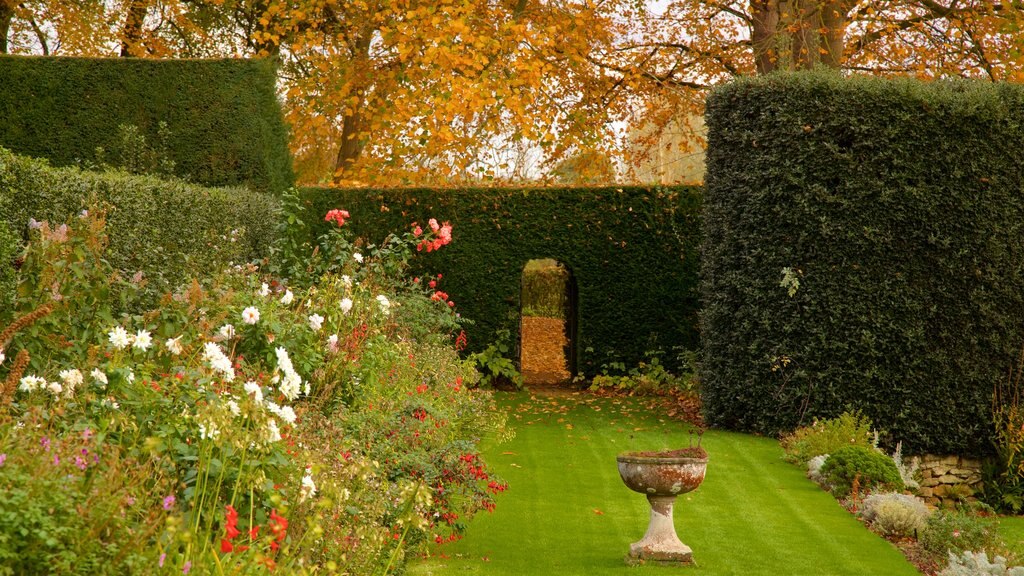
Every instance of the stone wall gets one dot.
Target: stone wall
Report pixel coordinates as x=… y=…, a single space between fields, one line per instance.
x=949 y=479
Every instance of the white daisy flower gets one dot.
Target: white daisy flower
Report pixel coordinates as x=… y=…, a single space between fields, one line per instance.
x=119 y=338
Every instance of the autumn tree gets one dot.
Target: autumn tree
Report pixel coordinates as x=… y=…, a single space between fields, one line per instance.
x=415 y=91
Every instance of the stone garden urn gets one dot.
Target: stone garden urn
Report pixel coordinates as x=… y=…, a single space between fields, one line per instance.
x=661 y=476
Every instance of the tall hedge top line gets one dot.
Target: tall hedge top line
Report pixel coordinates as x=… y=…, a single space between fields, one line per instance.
x=224 y=122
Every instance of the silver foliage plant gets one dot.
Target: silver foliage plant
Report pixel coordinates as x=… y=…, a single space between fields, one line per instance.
x=977 y=564
x=895 y=514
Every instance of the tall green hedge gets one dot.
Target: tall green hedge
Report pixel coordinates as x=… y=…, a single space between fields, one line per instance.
x=169 y=230
x=898 y=207
x=223 y=116
x=632 y=251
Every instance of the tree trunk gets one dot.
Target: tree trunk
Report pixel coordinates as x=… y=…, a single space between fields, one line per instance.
x=798 y=34
x=353 y=123
x=131 y=34
x=6 y=15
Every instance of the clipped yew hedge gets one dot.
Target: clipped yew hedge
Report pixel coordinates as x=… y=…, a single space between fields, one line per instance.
x=898 y=206
x=632 y=250
x=224 y=121
x=170 y=231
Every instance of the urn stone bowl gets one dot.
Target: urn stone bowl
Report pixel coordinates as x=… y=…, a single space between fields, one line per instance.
x=661 y=476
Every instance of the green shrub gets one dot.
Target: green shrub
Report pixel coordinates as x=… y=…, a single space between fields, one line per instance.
x=9 y=248
x=224 y=125
x=871 y=469
x=631 y=250
x=1003 y=475
x=544 y=289
x=953 y=531
x=827 y=436
x=894 y=514
x=869 y=230
x=167 y=230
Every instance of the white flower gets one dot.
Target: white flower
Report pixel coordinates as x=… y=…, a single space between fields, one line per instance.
x=346 y=305
x=71 y=378
x=255 y=390
x=212 y=432
x=308 y=489
x=273 y=434
x=142 y=340
x=233 y=407
x=346 y=281
x=287 y=414
x=305 y=389
x=131 y=376
x=287 y=298
x=213 y=354
x=291 y=383
x=31 y=383
x=332 y=343
x=385 y=304
x=174 y=345
x=227 y=331
x=357 y=257
x=99 y=376
x=251 y=315
x=55 y=388
x=111 y=403
x=2 y=357
x=119 y=338
x=264 y=290
x=316 y=322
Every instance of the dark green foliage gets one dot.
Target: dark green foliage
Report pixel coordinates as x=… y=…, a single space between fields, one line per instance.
x=169 y=230
x=632 y=251
x=544 y=290
x=872 y=469
x=224 y=123
x=9 y=249
x=898 y=208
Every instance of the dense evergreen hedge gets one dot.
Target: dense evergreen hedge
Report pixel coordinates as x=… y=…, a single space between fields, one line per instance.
x=899 y=207
x=632 y=251
x=223 y=116
x=168 y=229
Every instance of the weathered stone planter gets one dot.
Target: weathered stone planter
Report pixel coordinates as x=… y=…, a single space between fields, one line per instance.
x=661 y=476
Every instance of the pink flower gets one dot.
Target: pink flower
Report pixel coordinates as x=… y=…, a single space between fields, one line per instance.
x=433 y=224
x=417 y=231
x=336 y=215
x=169 y=502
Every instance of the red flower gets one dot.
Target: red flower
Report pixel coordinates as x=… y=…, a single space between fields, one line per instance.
x=226 y=546
x=337 y=216
x=231 y=524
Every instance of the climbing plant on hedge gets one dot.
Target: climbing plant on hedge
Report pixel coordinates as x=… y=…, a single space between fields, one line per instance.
x=224 y=123
x=633 y=252
x=863 y=249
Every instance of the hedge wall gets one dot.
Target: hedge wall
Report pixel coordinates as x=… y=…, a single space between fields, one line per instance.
x=168 y=229
x=898 y=206
x=633 y=252
x=225 y=123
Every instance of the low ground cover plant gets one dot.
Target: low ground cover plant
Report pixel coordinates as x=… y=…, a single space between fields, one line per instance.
x=247 y=424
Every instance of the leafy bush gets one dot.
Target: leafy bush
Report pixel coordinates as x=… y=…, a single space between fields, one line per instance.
x=1003 y=476
x=651 y=376
x=909 y=292
x=827 y=436
x=544 y=291
x=895 y=514
x=161 y=232
x=976 y=564
x=955 y=532
x=9 y=248
x=870 y=468
x=495 y=366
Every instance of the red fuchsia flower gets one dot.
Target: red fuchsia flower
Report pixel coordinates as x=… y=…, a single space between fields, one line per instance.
x=231 y=523
x=279 y=528
x=337 y=216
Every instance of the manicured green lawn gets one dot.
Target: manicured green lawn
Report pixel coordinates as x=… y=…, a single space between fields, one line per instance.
x=567 y=512
x=1012 y=531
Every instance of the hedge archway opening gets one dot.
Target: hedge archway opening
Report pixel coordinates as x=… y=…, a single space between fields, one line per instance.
x=548 y=320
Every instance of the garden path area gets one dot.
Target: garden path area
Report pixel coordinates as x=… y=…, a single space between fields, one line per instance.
x=567 y=512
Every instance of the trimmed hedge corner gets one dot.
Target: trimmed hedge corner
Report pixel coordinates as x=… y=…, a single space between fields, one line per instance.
x=632 y=250
x=864 y=247
x=167 y=229
x=224 y=121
